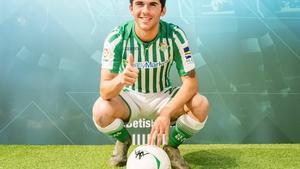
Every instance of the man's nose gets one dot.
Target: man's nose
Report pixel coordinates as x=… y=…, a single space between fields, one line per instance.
x=145 y=9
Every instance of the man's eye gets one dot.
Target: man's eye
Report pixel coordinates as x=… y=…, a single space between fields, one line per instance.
x=153 y=4
x=139 y=4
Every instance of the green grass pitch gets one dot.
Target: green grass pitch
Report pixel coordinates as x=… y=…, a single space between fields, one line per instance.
x=208 y=156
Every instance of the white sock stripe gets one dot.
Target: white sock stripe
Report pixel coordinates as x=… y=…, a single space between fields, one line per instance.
x=112 y=127
x=188 y=123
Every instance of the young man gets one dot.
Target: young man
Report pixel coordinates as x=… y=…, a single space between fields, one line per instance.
x=136 y=62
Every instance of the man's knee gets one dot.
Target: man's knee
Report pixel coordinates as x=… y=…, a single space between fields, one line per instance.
x=200 y=107
x=200 y=101
x=204 y=102
x=102 y=113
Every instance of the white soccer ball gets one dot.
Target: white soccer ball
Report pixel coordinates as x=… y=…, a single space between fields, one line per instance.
x=148 y=157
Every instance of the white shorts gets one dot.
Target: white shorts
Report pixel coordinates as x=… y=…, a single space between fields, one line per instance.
x=146 y=106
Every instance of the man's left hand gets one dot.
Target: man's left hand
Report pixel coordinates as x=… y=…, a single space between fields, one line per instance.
x=161 y=127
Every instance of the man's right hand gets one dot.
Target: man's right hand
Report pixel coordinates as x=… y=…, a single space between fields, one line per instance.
x=130 y=73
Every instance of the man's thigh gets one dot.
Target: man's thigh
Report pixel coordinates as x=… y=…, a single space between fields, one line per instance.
x=166 y=100
x=186 y=108
x=115 y=107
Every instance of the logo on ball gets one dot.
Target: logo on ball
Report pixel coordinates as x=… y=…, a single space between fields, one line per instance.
x=148 y=157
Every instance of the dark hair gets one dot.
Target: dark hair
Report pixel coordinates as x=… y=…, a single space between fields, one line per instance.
x=162 y=2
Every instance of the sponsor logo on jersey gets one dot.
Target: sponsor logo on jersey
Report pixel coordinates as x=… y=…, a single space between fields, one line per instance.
x=148 y=65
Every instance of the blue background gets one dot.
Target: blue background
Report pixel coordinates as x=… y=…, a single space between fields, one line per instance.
x=247 y=55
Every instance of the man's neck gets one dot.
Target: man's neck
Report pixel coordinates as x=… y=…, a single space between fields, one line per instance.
x=147 y=36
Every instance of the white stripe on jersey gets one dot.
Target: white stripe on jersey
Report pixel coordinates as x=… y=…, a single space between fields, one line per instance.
x=165 y=65
x=127 y=48
x=171 y=55
x=171 y=49
x=159 y=68
x=143 y=70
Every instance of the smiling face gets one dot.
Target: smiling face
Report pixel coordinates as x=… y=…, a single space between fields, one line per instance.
x=146 y=14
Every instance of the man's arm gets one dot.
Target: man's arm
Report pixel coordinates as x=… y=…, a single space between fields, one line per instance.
x=162 y=123
x=111 y=84
x=188 y=89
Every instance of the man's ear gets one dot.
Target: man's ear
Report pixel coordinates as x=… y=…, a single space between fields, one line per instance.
x=131 y=9
x=163 y=11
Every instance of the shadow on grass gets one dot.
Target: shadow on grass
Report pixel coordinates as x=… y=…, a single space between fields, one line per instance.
x=206 y=159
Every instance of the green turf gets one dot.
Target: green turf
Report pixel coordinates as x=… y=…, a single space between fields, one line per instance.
x=257 y=156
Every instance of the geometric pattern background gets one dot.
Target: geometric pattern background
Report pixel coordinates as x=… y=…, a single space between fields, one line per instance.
x=247 y=61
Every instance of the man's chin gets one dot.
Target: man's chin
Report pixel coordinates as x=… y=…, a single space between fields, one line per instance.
x=145 y=28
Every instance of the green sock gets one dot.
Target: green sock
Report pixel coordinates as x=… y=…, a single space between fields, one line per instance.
x=116 y=129
x=178 y=136
x=122 y=134
x=185 y=128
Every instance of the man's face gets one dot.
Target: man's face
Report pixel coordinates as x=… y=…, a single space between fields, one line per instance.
x=146 y=13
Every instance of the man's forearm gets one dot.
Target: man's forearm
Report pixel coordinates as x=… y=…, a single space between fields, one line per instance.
x=188 y=89
x=110 y=88
x=112 y=84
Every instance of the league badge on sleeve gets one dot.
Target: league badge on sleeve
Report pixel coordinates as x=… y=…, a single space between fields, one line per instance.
x=106 y=54
x=188 y=55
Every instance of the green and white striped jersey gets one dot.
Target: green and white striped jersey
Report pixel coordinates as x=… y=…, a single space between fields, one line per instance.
x=153 y=59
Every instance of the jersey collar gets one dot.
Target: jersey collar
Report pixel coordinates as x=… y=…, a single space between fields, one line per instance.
x=147 y=44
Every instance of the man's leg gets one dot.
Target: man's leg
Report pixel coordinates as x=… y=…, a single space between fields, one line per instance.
x=187 y=125
x=109 y=117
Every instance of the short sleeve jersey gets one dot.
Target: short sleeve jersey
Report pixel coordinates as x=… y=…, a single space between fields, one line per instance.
x=153 y=59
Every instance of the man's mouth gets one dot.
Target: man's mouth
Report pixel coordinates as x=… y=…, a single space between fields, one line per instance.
x=146 y=19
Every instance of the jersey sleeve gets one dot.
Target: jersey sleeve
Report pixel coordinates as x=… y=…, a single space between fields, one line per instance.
x=112 y=51
x=182 y=53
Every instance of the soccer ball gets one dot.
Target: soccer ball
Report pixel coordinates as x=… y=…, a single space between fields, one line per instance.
x=148 y=157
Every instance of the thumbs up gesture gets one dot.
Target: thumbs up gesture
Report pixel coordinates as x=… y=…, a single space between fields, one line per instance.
x=130 y=61
x=130 y=73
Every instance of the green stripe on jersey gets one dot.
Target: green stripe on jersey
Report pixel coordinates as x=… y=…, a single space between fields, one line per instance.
x=154 y=56
x=147 y=82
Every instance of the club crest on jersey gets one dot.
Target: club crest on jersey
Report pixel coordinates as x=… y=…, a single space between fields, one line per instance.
x=163 y=46
x=124 y=62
